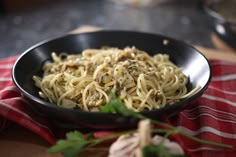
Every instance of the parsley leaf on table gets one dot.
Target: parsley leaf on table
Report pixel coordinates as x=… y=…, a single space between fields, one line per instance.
x=71 y=146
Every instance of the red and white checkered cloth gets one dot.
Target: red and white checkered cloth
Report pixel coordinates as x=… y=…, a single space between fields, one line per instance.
x=212 y=117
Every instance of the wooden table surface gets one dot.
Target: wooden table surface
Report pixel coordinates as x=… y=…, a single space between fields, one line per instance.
x=17 y=141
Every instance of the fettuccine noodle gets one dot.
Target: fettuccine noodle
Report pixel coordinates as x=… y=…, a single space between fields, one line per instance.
x=85 y=80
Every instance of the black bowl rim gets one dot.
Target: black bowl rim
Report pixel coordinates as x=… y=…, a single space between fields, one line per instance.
x=53 y=106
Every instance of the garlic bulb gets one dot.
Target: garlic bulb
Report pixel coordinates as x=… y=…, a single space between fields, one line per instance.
x=131 y=145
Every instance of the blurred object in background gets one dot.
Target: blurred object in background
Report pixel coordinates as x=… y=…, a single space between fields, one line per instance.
x=151 y=3
x=7 y=6
x=25 y=24
x=226 y=9
x=222 y=14
x=140 y=3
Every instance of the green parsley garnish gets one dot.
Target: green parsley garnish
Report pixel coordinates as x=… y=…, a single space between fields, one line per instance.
x=76 y=142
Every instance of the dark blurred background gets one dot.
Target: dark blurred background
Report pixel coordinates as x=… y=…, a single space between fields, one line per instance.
x=26 y=22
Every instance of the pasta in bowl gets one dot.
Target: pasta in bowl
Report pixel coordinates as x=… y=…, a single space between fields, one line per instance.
x=152 y=74
x=85 y=80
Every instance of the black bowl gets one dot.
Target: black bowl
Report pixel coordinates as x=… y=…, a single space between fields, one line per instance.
x=194 y=65
x=222 y=26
